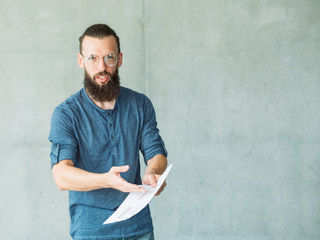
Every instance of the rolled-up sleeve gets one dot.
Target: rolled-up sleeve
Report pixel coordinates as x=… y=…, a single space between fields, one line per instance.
x=151 y=141
x=63 y=141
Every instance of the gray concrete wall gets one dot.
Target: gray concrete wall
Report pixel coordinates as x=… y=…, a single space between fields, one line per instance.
x=236 y=88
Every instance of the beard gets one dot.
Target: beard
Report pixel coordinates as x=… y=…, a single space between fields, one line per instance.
x=105 y=92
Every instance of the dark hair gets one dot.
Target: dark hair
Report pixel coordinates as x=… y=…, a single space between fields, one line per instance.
x=99 y=31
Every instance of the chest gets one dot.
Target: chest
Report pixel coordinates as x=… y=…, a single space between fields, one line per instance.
x=98 y=129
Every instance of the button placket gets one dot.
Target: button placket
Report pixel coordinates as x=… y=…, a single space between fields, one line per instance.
x=111 y=126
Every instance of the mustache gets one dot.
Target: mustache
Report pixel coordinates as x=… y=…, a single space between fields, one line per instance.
x=102 y=73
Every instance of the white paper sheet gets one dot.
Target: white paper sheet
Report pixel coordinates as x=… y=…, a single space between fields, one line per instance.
x=135 y=202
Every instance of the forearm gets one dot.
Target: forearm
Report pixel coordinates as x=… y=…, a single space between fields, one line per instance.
x=68 y=177
x=157 y=164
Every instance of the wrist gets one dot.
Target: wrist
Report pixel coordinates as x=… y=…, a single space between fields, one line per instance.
x=150 y=170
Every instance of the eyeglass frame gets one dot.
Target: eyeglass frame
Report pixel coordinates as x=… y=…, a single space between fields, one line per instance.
x=105 y=62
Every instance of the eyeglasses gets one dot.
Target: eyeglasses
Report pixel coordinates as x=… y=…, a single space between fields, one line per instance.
x=94 y=60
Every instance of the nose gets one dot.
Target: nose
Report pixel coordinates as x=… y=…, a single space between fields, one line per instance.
x=102 y=65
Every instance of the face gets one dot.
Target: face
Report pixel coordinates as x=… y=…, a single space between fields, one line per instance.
x=100 y=80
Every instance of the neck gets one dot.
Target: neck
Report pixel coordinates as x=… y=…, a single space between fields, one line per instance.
x=105 y=105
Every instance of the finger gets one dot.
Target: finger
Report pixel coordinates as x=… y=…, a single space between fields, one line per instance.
x=125 y=186
x=129 y=187
x=152 y=179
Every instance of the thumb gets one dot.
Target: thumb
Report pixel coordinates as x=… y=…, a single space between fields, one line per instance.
x=120 y=169
x=150 y=180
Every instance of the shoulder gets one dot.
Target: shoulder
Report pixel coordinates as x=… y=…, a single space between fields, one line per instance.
x=70 y=105
x=133 y=101
x=73 y=99
x=127 y=94
x=130 y=93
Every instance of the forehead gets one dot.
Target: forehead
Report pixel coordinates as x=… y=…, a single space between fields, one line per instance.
x=99 y=46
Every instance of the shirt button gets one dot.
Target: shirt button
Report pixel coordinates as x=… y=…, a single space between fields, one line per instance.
x=110 y=125
x=112 y=137
x=109 y=113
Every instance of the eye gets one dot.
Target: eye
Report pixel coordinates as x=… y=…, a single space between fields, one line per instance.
x=92 y=58
x=111 y=57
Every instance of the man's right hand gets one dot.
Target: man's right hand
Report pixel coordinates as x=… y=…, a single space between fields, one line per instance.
x=115 y=181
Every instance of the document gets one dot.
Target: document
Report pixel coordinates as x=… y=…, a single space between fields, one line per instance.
x=135 y=202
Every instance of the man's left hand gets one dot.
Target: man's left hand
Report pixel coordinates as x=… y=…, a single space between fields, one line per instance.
x=152 y=179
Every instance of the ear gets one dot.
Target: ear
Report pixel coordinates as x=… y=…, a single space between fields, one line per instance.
x=120 y=58
x=80 y=61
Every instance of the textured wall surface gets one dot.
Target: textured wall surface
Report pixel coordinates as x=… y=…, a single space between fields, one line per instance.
x=235 y=85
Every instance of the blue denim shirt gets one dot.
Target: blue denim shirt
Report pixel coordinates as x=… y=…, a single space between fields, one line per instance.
x=96 y=140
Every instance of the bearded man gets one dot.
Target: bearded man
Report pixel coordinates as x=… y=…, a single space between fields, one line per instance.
x=96 y=136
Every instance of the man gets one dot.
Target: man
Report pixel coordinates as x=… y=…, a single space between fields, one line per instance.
x=96 y=135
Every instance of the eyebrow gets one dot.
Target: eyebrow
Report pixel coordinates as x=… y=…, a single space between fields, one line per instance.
x=98 y=55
